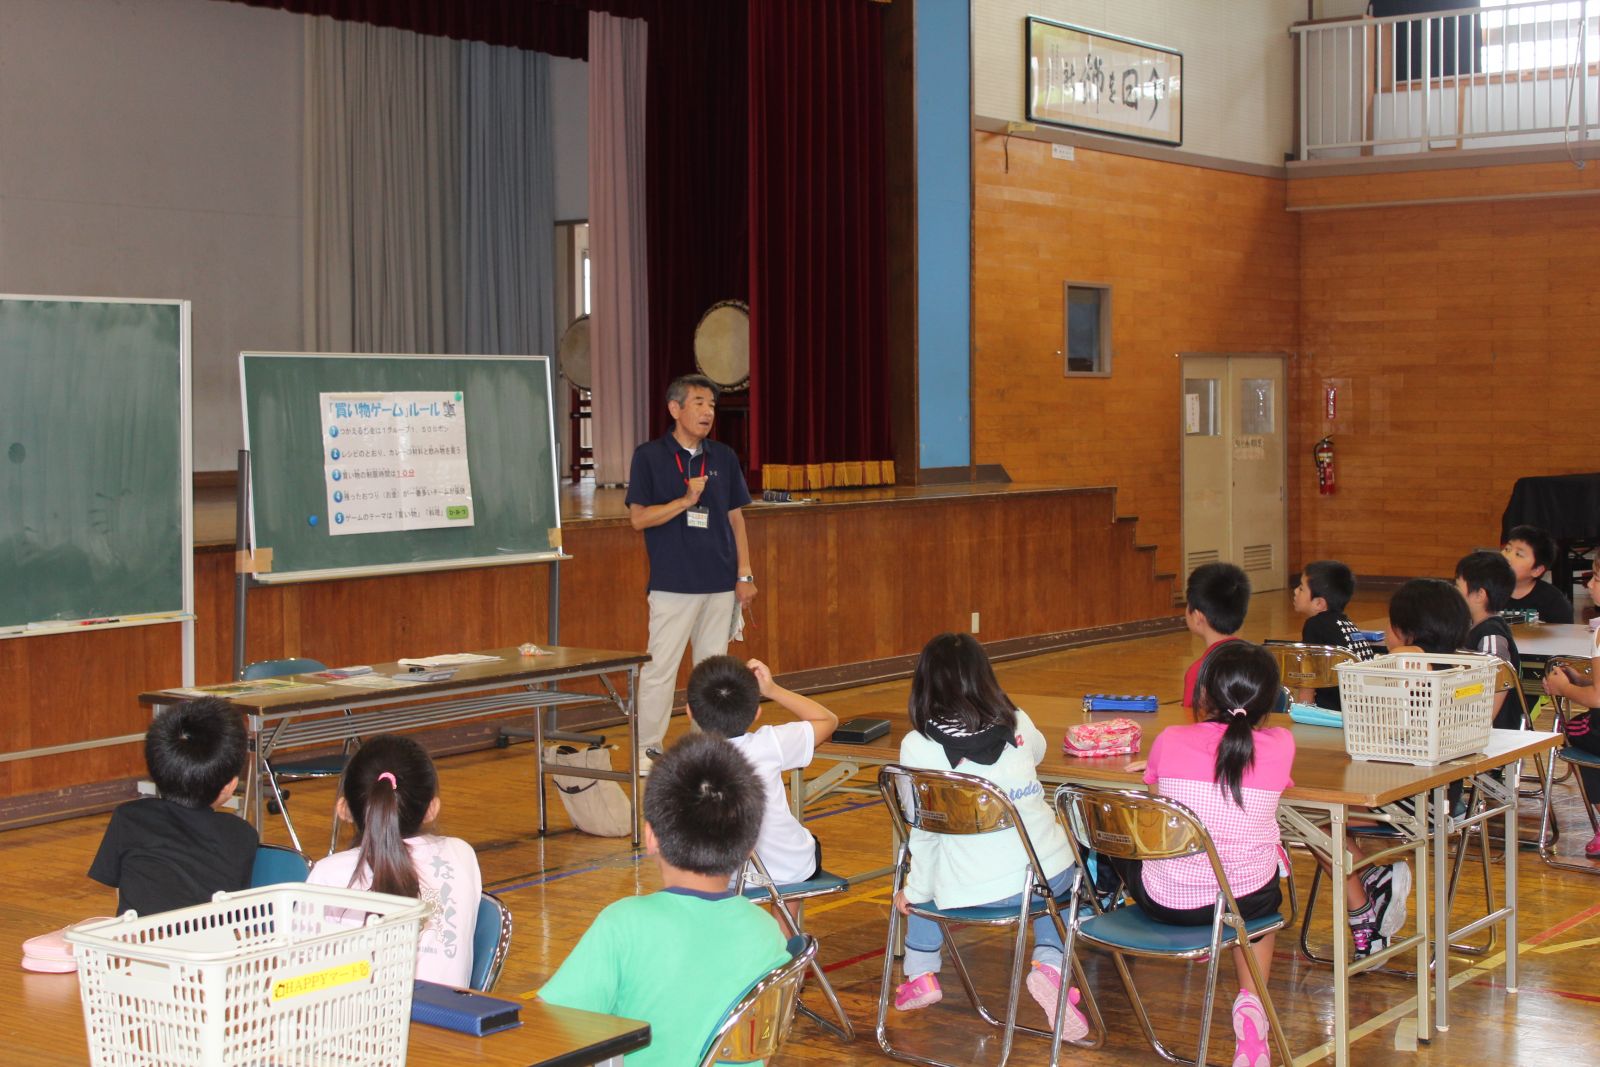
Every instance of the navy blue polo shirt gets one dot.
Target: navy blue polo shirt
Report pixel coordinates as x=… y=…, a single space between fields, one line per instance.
x=684 y=559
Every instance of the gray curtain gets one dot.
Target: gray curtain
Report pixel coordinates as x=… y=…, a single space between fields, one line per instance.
x=619 y=328
x=383 y=260
x=429 y=194
x=508 y=201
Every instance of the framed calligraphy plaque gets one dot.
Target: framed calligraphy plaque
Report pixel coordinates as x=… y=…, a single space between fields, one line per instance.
x=1094 y=81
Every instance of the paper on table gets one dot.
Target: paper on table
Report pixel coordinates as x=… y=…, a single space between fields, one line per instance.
x=449 y=659
x=374 y=681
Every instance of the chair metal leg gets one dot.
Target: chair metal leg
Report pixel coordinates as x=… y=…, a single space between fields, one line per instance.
x=1549 y=827
x=843 y=1029
x=283 y=808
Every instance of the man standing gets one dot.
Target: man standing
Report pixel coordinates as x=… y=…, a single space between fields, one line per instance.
x=685 y=492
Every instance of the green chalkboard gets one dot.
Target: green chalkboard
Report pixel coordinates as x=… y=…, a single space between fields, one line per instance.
x=510 y=447
x=94 y=468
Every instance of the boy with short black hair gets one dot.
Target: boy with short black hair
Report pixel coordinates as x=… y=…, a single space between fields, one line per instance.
x=174 y=850
x=1485 y=580
x=679 y=957
x=1531 y=553
x=1215 y=601
x=725 y=700
x=1324 y=591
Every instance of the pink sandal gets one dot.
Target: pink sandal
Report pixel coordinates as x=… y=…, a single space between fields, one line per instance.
x=919 y=992
x=1044 y=984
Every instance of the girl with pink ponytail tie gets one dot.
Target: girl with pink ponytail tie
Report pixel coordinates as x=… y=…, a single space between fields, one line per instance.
x=391 y=793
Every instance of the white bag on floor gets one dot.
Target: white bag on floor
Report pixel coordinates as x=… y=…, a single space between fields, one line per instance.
x=594 y=805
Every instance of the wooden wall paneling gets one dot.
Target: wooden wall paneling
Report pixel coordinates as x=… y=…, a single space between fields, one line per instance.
x=1198 y=260
x=1467 y=334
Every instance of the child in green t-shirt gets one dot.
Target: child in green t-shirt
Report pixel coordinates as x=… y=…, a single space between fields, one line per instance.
x=679 y=957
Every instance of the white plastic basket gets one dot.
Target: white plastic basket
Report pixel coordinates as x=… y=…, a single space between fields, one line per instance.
x=283 y=975
x=1417 y=708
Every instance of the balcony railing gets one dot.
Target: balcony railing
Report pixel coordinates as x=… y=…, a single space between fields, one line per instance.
x=1494 y=76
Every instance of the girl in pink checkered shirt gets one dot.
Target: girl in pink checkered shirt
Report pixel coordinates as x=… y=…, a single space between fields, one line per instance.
x=1229 y=769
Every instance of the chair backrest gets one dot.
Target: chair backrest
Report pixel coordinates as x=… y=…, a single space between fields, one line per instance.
x=757 y=1024
x=1308 y=666
x=944 y=802
x=1582 y=666
x=491 y=940
x=1128 y=824
x=275 y=865
x=277 y=668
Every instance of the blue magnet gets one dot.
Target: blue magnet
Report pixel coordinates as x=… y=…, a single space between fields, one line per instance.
x=311 y=520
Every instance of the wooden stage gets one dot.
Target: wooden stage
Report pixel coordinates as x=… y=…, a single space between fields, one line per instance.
x=850 y=588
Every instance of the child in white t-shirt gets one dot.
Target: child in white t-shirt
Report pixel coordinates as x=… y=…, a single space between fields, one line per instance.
x=390 y=793
x=725 y=700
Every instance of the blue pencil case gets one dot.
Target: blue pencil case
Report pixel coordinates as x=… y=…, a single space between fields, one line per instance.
x=1125 y=702
x=1315 y=716
x=462 y=1009
x=1374 y=637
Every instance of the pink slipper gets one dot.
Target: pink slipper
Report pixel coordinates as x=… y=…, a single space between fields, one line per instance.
x=1044 y=984
x=1250 y=1028
x=919 y=992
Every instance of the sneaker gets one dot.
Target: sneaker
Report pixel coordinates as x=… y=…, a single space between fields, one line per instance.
x=1250 y=1031
x=1044 y=984
x=919 y=992
x=1392 y=914
x=1364 y=931
x=1592 y=849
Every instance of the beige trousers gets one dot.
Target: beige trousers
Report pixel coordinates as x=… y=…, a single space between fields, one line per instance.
x=676 y=621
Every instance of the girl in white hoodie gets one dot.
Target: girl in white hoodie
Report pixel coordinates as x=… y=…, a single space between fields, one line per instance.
x=963 y=721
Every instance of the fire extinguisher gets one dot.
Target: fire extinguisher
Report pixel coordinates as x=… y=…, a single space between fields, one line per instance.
x=1322 y=453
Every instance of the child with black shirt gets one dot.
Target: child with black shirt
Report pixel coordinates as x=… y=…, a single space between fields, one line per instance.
x=1485 y=580
x=174 y=850
x=1531 y=552
x=1325 y=589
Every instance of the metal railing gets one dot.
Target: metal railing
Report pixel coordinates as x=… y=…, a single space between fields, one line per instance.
x=1495 y=76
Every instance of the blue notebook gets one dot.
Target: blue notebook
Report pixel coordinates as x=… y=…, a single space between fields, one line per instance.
x=462 y=1009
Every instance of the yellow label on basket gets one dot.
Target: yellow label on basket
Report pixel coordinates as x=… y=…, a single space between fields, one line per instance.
x=1467 y=691
x=300 y=985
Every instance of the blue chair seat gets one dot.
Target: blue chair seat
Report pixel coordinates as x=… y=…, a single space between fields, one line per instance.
x=989 y=913
x=1131 y=930
x=822 y=883
x=1579 y=756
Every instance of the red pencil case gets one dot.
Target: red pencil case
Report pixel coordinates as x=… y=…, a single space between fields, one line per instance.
x=1117 y=737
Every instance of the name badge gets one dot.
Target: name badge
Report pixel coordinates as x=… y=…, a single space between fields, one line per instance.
x=699 y=518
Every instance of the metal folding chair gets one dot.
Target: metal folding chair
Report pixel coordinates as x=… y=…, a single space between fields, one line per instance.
x=1131 y=825
x=779 y=896
x=1575 y=759
x=757 y=1024
x=1308 y=666
x=948 y=803
x=279 y=771
x=491 y=940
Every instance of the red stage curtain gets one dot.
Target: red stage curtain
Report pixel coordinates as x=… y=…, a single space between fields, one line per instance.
x=818 y=288
x=697 y=179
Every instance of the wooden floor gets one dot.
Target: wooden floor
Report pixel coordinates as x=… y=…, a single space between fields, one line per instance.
x=556 y=885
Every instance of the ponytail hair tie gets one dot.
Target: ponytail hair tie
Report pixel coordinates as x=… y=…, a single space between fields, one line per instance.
x=1236 y=712
x=392 y=783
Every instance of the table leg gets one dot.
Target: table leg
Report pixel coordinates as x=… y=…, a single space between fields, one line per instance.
x=1511 y=852
x=538 y=771
x=1424 y=901
x=1440 y=846
x=1341 y=947
x=632 y=713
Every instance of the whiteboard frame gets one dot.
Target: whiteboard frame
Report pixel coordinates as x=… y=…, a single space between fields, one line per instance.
x=185 y=492
x=554 y=555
